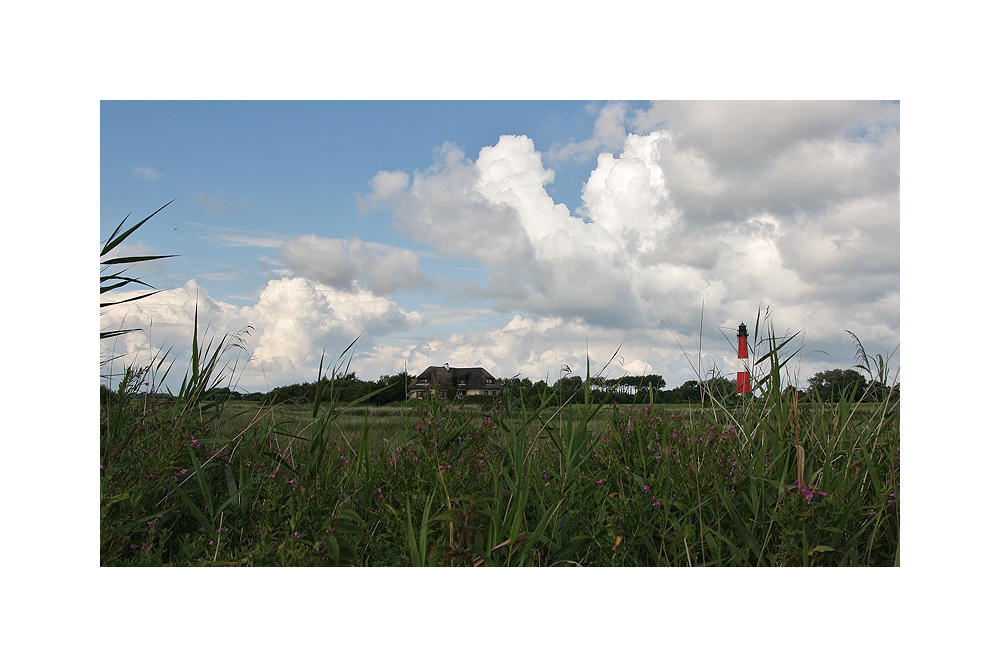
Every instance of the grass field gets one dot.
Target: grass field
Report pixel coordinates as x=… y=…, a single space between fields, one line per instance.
x=762 y=480
x=766 y=481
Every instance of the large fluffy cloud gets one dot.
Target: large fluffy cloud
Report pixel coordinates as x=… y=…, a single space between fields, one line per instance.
x=287 y=330
x=297 y=315
x=719 y=208
x=496 y=211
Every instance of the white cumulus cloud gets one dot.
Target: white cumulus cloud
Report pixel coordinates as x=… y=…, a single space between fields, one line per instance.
x=292 y=322
x=726 y=207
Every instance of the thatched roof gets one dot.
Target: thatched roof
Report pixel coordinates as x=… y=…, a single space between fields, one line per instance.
x=461 y=378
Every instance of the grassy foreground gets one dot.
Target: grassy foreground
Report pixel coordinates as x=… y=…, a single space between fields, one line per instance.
x=764 y=481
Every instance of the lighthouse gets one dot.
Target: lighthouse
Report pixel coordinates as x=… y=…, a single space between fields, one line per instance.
x=743 y=364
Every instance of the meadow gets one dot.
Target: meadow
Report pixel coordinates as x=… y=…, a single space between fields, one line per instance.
x=195 y=478
x=767 y=480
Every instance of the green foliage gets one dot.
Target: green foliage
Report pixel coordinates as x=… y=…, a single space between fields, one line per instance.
x=347 y=386
x=837 y=385
x=117 y=279
x=570 y=484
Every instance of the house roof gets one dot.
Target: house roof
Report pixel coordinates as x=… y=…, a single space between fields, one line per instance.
x=463 y=378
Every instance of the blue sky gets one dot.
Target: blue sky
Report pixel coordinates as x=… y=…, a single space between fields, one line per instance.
x=513 y=235
x=276 y=169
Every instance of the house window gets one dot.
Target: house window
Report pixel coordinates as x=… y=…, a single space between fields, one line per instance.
x=489 y=380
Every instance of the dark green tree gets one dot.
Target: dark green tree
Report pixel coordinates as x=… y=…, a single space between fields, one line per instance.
x=569 y=387
x=838 y=385
x=395 y=388
x=689 y=392
x=720 y=387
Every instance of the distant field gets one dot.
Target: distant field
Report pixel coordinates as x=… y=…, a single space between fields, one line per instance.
x=390 y=419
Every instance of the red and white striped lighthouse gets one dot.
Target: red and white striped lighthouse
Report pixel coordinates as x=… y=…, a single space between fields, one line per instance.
x=743 y=364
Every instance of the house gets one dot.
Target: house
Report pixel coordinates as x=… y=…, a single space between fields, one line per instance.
x=467 y=382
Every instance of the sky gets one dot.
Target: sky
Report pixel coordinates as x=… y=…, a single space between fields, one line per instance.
x=525 y=237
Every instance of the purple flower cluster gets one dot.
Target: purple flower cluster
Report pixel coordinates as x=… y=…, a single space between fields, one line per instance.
x=804 y=491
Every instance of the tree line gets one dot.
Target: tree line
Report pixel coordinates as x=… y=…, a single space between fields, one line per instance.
x=827 y=386
x=391 y=389
x=848 y=385
x=345 y=388
x=629 y=389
